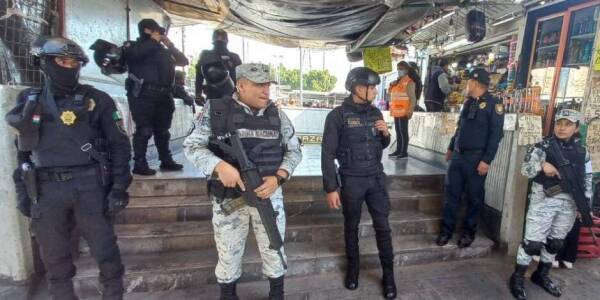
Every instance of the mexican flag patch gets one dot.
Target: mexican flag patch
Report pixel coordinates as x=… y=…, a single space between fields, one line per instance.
x=36 y=119
x=116 y=115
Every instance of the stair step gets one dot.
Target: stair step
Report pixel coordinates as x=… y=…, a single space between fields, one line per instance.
x=192 y=269
x=185 y=186
x=163 y=209
x=179 y=236
x=413 y=282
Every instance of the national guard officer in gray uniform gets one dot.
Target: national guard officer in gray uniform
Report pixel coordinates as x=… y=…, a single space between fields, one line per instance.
x=550 y=217
x=72 y=136
x=260 y=125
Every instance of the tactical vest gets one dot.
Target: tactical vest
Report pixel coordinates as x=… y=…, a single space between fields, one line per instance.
x=57 y=149
x=433 y=88
x=399 y=100
x=260 y=135
x=572 y=152
x=360 y=148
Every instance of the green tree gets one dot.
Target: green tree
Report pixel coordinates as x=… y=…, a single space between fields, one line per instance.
x=314 y=80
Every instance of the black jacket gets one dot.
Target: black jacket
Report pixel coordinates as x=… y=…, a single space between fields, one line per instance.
x=153 y=62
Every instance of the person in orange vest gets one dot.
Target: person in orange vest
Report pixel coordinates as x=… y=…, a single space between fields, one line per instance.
x=402 y=95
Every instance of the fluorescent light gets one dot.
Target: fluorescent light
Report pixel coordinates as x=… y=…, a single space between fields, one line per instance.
x=437 y=20
x=543 y=2
x=456 y=44
x=504 y=21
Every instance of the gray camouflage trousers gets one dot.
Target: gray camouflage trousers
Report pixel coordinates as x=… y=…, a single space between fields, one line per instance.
x=547 y=217
x=231 y=232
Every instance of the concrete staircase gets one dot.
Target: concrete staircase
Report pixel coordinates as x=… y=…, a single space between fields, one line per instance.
x=166 y=238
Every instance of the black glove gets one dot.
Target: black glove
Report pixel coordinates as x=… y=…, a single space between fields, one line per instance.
x=117 y=201
x=23 y=200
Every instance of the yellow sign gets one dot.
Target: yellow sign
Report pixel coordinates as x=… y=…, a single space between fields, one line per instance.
x=378 y=59
x=597 y=58
x=68 y=117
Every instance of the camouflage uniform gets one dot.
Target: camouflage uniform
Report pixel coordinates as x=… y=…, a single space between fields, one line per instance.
x=231 y=231
x=547 y=217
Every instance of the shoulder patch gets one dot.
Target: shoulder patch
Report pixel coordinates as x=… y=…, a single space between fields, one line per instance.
x=116 y=115
x=499 y=109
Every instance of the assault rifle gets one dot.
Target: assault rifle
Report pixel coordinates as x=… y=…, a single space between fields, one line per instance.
x=252 y=180
x=571 y=184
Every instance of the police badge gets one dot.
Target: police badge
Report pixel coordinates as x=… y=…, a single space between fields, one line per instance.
x=500 y=108
x=68 y=117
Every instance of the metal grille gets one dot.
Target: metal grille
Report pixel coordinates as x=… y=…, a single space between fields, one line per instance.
x=21 y=22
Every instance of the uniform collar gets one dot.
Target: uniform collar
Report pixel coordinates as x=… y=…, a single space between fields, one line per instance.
x=247 y=108
x=355 y=106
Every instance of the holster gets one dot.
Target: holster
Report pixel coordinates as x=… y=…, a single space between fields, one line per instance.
x=553 y=190
x=134 y=85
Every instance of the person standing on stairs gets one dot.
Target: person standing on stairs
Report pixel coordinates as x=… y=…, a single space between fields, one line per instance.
x=470 y=153
x=403 y=101
x=355 y=134
x=270 y=142
x=151 y=61
x=552 y=212
x=75 y=167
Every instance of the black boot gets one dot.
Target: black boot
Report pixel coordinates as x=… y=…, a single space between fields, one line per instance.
x=170 y=165
x=389 y=284
x=140 y=167
x=517 y=282
x=443 y=239
x=351 y=281
x=276 y=291
x=228 y=291
x=540 y=277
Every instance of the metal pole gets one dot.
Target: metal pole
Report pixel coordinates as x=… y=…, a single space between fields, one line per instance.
x=243 y=49
x=301 y=80
x=183 y=39
x=128 y=10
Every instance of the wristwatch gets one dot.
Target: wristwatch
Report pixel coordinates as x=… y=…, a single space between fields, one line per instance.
x=280 y=179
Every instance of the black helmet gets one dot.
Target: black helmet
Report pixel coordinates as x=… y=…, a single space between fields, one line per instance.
x=219 y=32
x=148 y=24
x=109 y=57
x=361 y=75
x=56 y=46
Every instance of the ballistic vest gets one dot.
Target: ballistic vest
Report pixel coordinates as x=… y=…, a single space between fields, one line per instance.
x=433 y=88
x=260 y=135
x=573 y=152
x=360 y=147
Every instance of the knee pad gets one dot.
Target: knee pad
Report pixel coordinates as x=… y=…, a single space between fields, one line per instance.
x=554 y=245
x=532 y=247
x=145 y=132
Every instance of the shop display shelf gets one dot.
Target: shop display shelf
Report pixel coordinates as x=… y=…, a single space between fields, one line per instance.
x=586 y=36
x=549 y=47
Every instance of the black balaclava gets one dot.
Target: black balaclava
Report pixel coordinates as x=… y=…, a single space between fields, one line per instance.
x=220 y=45
x=146 y=23
x=60 y=79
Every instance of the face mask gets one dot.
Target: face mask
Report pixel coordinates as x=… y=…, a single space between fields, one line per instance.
x=220 y=45
x=60 y=78
x=401 y=73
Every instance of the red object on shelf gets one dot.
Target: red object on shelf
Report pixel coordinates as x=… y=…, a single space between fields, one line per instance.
x=586 y=247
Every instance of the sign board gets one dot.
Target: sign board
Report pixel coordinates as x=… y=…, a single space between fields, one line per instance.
x=592 y=142
x=530 y=129
x=449 y=123
x=378 y=59
x=510 y=122
x=592 y=108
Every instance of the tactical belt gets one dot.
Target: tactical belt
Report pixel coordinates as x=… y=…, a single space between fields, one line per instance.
x=66 y=173
x=469 y=151
x=162 y=89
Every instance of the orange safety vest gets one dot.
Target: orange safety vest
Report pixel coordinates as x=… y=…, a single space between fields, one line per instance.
x=399 y=100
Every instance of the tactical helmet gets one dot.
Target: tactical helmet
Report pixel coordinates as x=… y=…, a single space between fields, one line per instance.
x=361 y=76
x=219 y=32
x=56 y=46
x=109 y=57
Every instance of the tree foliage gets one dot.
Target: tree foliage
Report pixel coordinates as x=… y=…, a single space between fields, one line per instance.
x=314 y=80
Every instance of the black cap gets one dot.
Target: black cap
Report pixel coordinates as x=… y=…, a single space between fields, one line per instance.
x=480 y=75
x=148 y=23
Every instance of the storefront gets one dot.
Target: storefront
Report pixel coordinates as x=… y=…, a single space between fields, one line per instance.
x=557 y=55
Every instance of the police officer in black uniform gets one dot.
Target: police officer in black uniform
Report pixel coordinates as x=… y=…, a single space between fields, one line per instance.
x=151 y=61
x=215 y=71
x=73 y=136
x=470 y=153
x=355 y=134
